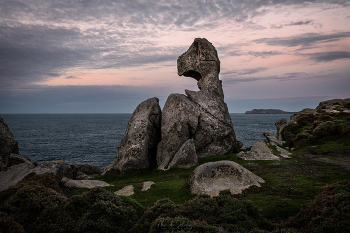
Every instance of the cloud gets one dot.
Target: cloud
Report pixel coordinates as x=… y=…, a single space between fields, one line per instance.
x=284 y=77
x=304 y=40
x=298 y=23
x=244 y=71
x=329 y=56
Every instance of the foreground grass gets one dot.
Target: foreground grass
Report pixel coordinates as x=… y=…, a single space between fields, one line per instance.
x=290 y=184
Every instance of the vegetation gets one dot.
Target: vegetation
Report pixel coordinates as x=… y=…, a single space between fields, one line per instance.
x=307 y=193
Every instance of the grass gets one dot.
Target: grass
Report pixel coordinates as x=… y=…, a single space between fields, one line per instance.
x=289 y=183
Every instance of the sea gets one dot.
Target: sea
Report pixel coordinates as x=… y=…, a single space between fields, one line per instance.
x=93 y=138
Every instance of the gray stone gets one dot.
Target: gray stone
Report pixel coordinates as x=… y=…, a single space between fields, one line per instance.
x=239 y=144
x=126 y=191
x=58 y=168
x=88 y=169
x=211 y=178
x=15 y=159
x=147 y=185
x=283 y=153
x=85 y=183
x=15 y=174
x=259 y=151
x=330 y=105
x=199 y=115
x=185 y=157
x=138 y=147
x=280 y=125
x=8 y=145
x=272 y=139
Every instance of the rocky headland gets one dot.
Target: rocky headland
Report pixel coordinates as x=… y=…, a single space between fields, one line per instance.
x=267 y=111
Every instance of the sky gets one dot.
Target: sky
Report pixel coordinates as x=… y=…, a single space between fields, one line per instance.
x=107 y=56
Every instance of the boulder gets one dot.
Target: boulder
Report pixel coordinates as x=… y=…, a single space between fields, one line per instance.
x=15 y=174
x=280 y=125
x=8 y=145
x=137 y=149
x=15 y=159
x=126 y=191
x=272 y=139
x=199 y=115
x=147 y=185
x=85 y=183
x=58 y=168
x=211 y=178
x=283 y=153
x=259 y=151
x=185 y=157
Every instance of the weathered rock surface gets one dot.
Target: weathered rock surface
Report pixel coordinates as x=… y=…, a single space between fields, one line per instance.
x=147 y=185
x=85 y=183
x=272 y=139
x=280 y=125
x=138 y=147
x=332 y=105
x=211 y=178
x=14 y=174
x=199 y=115
x=15 y=159
x=8 y=145
x=83 y=171
x=284 y=153
x=185 y=157
x=126 y=191
x=259 y=151
x=58 y=168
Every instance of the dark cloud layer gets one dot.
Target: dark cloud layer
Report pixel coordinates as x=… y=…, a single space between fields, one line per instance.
x=304 y=40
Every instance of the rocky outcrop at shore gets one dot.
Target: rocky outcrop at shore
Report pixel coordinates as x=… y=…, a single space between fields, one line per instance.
x=194 y=125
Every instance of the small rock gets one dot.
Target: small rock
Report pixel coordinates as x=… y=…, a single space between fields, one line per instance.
x=280 y=125
x=272 y=139
x=15 y=159
x=211 y=178
x=147 y=185
x=86 y=183
x=284 y=153
x=58 y=168
x=126 y=191
x=259 y=151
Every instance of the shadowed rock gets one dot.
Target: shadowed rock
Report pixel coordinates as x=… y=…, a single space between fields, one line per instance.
x=15 y=174
x=8 y=145
x=280 y=125
x=138 y=147
x=199 y=115
x=211 y=178
x=185 y=157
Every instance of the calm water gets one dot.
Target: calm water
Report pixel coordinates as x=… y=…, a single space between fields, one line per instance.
x=93 y=138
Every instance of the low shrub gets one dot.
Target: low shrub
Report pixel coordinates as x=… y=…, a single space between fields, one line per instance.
x=9 y=225
x=329 y=212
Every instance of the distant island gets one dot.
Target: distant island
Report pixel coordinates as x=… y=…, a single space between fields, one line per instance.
x=267 y=111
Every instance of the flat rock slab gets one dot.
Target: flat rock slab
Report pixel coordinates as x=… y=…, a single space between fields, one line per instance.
x=259 y=151
x=147 y=185
x=284 y=153
x=211 y=178
x=126 y=191
x=86 y=183
x=14 y=174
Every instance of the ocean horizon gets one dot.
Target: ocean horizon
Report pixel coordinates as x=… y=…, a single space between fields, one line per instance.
x=93 y=138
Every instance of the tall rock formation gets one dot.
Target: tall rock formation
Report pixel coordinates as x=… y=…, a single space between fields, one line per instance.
x=199 y=115
x=137 y=149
